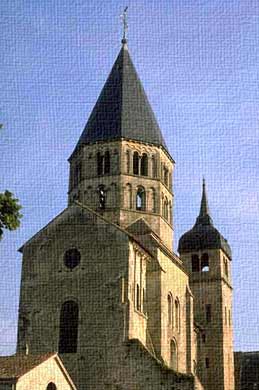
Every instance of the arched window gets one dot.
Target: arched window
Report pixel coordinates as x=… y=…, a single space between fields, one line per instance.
x=144 y=165
x=107 y=163
x=135 y=163
x=68 y=327
x=102 y=197
x=174 y=357
x=177 y=314
x=51 y=386
x=205 y=262
x=195 y=263
x=100 y=162
x=154 y=167
x=141 y=199
x=170 y=308
x=72 y=258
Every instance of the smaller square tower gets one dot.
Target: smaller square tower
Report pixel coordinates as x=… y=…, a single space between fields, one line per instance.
x=207 y=258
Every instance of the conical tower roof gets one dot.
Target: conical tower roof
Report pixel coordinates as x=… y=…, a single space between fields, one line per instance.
x=203 y=235
x=122 y=109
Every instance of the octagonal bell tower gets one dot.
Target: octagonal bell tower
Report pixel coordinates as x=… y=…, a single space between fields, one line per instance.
x=121 y=166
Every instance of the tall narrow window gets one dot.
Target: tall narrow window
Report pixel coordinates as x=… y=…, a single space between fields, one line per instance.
x=205 y=262
x=140 y=199
x=207 y=362
x=128 y=161
x=170 y=309
x=154 y=167
x=226 y=267
x=170 y=212
x=144 y=300
x=102 y=197
x=153 y=200
x=162 y=204
x=77 y=175
x=138 y=298
x=170 y=179
x=229 y=317
x=174 y=357
x=107 y=163
x=68 y=327
x=177 y=314
x=100 y=162
x=195 y=263
x=135 y=163
x=144 y=165
x=166 y=176
x=166 y=209
x=208 y=313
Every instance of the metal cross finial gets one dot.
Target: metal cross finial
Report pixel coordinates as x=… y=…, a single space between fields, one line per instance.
x=125 y=24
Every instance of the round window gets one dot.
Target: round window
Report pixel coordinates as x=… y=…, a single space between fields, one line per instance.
x=72 y=258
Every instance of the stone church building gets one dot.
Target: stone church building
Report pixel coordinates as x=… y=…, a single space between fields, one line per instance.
x=101 y=283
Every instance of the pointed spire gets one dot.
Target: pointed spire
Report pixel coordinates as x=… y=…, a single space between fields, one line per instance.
x=203 y=235
x=204 y=217
x=122 y=109
x=204 y=210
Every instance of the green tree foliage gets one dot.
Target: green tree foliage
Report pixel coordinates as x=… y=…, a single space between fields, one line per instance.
x=9 y=212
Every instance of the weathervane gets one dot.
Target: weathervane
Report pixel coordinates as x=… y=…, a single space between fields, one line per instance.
x=125 y=24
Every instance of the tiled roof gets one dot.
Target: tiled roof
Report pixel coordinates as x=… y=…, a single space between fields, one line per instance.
x=122 y=109
x=15 y=366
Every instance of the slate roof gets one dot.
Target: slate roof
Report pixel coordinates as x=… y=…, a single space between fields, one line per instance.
x=122 y=109
x=203 y=235
x=15 y=366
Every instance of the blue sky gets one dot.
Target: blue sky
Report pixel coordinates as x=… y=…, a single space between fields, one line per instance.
x=198 y=62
